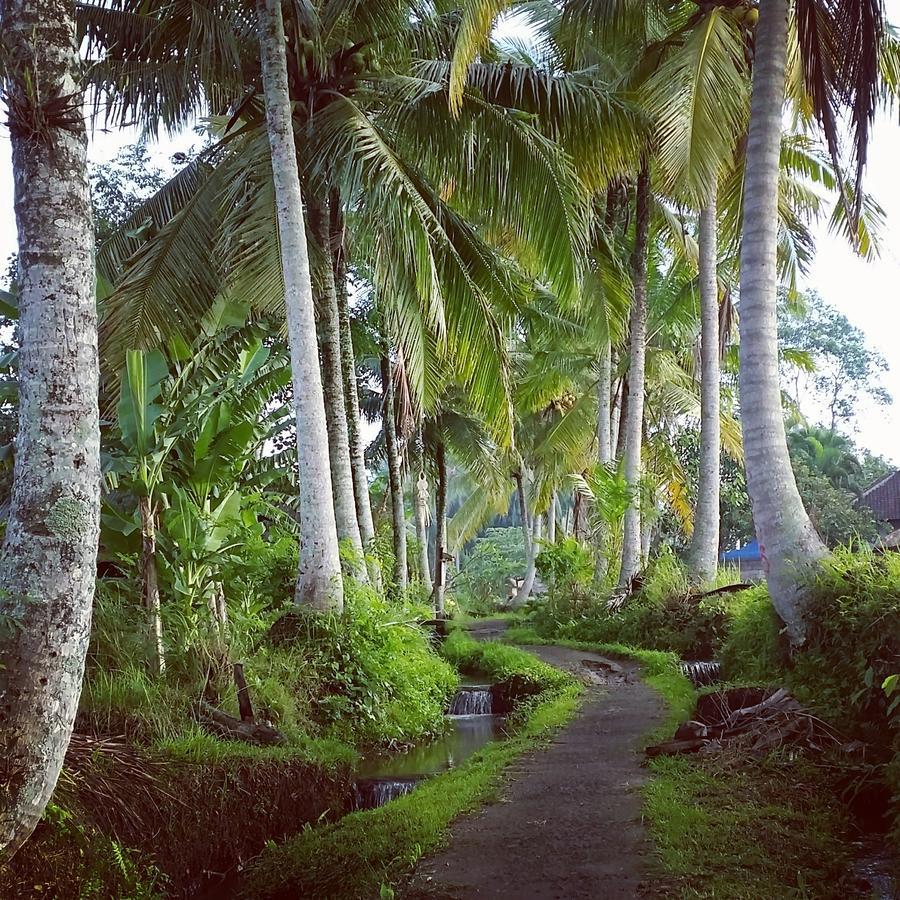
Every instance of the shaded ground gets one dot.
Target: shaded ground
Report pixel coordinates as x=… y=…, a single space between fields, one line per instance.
x=568 y=824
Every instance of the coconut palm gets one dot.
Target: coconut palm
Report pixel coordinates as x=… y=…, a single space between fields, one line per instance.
x=366 y=129
x=787 y=538
x=48 y=562
x=319 y=585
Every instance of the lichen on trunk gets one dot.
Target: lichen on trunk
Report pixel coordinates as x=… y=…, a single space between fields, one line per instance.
x=48 y=563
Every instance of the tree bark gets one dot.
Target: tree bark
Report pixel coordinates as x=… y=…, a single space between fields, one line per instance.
x=604 y=448
x=788 y=542
x=420 y=508
x=150 y=582
x=342 y=488
x=351 y=395
x=579 y=518
x=551 y=519
x=525 y=590
x=704 y=552
x=49 y=558
x=392 y=443
x=440 y=538
x=634 y=413
x=319 y=585
x=523 y=514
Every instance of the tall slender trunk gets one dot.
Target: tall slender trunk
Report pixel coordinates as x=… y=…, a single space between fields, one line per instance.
x=620 y=417
x=420 y=508
x=788 y=540
x=704 y=552
x=579 y=518
x=392 y=443
x=523 y=514
x=551 y=519
x=319 y=585
x=49 y=559
x=527 y=587
x=440 y=536
x=342 y=489
x=604 y=448
x=351 y=393
x=634 y=417
x=150 y=582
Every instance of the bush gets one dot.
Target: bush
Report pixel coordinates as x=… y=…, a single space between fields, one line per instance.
x=566 y=567
x=497 y=556
x=754 y=650
x=661 y=616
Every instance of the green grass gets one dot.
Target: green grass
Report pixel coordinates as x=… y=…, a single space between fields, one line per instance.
x=728 y=830
x=746 y=829
x=499 y=662
x=354 y=857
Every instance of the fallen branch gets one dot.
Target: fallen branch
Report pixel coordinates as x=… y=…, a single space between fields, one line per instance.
x=222 y=725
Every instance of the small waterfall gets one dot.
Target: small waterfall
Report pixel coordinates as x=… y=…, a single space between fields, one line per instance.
x=472 y=701
x=372 y=792
x=702 y=673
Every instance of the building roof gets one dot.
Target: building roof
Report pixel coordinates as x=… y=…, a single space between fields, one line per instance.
x=748 y=553
x=883 y=497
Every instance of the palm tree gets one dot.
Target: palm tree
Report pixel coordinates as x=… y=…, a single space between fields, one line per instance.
x=704 y=551
x=48 y=563
x=787 y=537
x=395 y=477
x=319 y=585
x=633 y=426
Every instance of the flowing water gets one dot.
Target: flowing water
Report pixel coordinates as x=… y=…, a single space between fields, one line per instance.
x=702 y=673
x=470 y=726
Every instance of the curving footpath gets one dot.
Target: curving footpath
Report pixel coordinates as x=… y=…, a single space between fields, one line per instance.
x=568 y=823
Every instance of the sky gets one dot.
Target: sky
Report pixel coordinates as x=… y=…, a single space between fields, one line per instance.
x=868 y=293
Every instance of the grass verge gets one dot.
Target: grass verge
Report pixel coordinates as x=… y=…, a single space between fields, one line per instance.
x=730 y=827
x=358 y=855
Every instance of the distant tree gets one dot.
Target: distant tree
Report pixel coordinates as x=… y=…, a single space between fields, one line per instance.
x=846 y=368
x=833 y=510
x=120 y=186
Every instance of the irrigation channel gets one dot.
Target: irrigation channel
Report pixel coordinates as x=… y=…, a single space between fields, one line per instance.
x=471 y=723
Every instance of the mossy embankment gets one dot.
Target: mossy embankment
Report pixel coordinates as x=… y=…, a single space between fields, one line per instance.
x=356 y=856
x=151 y=803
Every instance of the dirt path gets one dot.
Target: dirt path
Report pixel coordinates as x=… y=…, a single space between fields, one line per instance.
x=568 y=824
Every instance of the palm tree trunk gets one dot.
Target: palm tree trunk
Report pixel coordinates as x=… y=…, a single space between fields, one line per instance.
x=150 y=581
x=604 y=447
x=704 y=552
x=523 y=514
x=351 y=394
x=440 y=537
x=634 y=414
x=525 y=590
x=787 y=538
x=620 y=416
x=319 y=584
x=49 y=558
x=551 y=519
x=392 y=443
x=420 y=508
x=342 y=488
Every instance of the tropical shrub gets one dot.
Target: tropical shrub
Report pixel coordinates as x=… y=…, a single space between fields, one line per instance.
x=497 y=556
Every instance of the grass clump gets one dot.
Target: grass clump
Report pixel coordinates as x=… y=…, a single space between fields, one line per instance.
x=354 y=858
x=747 y=829
x=500 y=662
x=662 y=615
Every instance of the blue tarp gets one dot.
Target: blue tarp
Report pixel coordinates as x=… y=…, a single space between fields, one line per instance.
x=743 y=554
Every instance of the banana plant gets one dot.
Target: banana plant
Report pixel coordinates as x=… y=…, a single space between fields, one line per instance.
x=189 y=438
